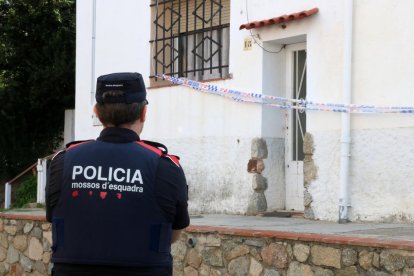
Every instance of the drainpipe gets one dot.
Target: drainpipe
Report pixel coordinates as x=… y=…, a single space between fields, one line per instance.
x=344 y=202
x=93 y=52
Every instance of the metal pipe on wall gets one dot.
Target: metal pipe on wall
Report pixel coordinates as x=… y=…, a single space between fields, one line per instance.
x=93 y=52
x=344 y=202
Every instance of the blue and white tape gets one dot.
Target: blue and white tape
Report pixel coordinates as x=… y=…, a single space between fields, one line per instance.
x=285 y=103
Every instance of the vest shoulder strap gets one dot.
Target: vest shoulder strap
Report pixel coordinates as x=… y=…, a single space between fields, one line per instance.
x=73 y=144
x=161 y=150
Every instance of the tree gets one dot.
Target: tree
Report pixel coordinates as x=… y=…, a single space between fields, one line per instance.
x=37 y=78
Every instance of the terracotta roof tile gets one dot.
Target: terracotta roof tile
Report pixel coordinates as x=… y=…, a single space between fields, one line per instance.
x=279 y=19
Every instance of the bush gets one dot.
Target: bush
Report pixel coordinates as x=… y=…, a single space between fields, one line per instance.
x=27 y=192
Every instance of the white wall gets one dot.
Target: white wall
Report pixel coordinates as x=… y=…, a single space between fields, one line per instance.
x=121 y=45
x=213 y=135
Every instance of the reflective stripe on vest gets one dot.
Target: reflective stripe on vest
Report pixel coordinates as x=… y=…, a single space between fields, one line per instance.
x=108 y=212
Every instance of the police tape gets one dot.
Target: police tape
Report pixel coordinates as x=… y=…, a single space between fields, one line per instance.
x=284 y=103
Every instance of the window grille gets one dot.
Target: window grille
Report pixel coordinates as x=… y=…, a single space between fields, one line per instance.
x=190 y=38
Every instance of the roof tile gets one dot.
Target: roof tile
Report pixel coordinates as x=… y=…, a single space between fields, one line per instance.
x=279 y=19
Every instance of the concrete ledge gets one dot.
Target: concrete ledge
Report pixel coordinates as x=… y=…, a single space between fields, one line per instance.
x=309 y=237
x=25 y=215
x=339 y=239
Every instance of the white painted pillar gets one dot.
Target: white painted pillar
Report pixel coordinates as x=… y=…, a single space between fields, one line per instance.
x=41 y=180
x=7 y=195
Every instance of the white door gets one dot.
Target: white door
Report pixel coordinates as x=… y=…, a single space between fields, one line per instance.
x=295 y=126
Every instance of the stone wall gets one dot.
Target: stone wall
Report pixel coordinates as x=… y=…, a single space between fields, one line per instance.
x=213 y=254
x=25 y=249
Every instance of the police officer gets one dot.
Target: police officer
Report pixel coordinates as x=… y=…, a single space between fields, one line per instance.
x=116 y=203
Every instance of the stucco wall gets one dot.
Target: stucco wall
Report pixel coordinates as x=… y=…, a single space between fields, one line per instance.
x=213 y=134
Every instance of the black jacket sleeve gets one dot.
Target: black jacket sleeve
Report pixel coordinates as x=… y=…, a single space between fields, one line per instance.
x=53 y=184
x=171 y=191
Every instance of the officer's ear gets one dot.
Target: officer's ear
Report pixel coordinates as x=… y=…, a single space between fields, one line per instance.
x=143 y=115
x=95 y=111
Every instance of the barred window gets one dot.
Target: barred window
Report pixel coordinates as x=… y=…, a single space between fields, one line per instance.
x=190 y=38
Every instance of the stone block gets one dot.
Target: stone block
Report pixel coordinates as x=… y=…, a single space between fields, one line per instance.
x=348 y=271
x=377 y=273
x=255 y=267
x=307 y=198
x=212 y=256
x=39 y=266
x=319 y=271
x=3 y=240
x=212 y=240
x=12 y=255
x=254 y=252
x=296 y=269
x=46 y=257
x=46 y=226
x=259 y=148
x=3 y=270
x=239 y=266
x=35 y=250
x=19 y=226
x=28 y=227
x=26 y=263
x=16 y=270
x=391 y=262
x=214 y=272
x=204 y=270
x=178 y=250
x=275 y=255
x=257 y=204
x=255 y=243
x=309 y=214
x=37 y=232
x=255 y=166
x=190 y=271
x=46 y=245
x=193 y=258
x=238 y=251
x=1 y=225
x=177 y=270
x=409 y=261
x=271 y=272
x=349 y=257
x=365 y=259
x=308 y=145
x=259 y=182
x=48 y=236
x=10 y=229
x=326 y=256
x=408 y=272
x=20 y=242
x=301 y=252
x=3 y=254
x=376 y=260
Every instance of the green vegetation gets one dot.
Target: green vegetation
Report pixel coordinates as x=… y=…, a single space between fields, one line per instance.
x=37 y=78
x=26 y=192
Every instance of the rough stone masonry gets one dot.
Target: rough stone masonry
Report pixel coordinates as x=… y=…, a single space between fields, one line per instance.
x=25 y=249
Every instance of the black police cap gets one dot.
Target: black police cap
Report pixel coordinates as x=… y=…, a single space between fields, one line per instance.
x=132 y=84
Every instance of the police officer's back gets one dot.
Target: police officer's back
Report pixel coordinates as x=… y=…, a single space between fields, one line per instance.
x=116 y=203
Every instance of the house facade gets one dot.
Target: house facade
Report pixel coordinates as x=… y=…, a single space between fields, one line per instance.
x=247 y=158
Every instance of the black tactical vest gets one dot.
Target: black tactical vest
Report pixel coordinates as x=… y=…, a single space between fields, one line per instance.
x=107 y=213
